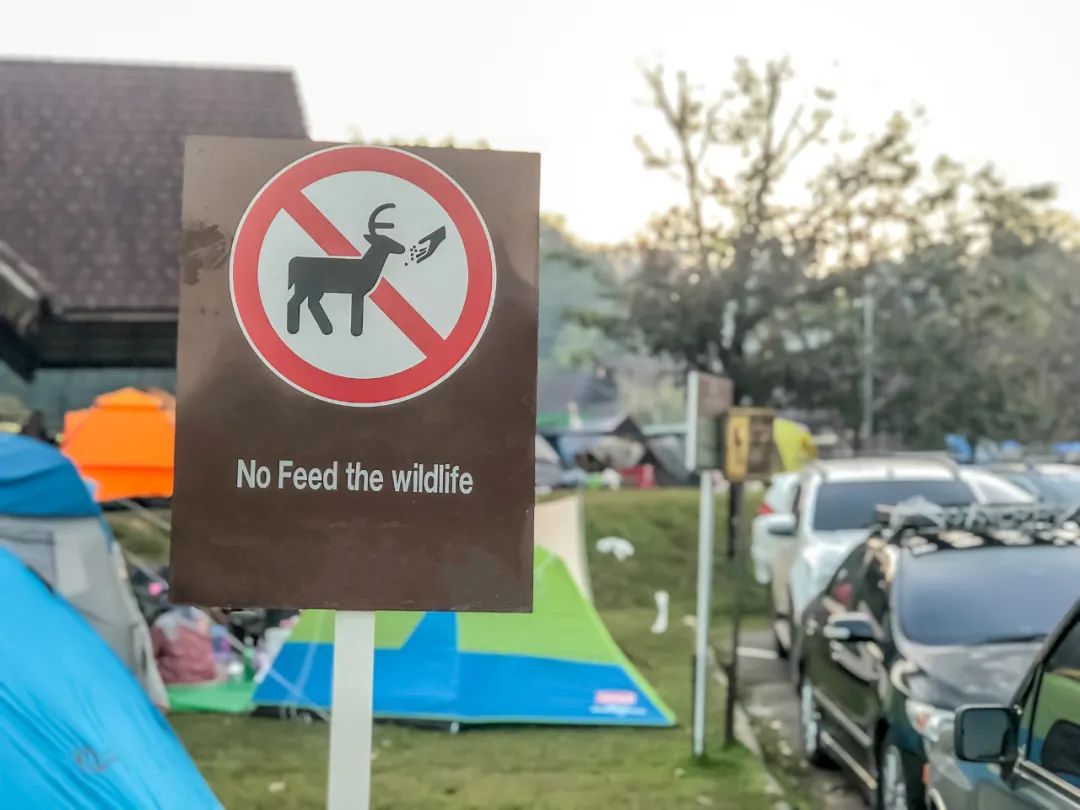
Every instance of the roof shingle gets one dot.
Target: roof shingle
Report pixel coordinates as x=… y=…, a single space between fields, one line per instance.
x=91 y=165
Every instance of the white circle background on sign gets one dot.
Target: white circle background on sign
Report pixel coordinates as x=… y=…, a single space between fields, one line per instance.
x=435 y=288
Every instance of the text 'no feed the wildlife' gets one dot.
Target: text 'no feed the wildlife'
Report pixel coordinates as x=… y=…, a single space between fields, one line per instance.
x=362 y=275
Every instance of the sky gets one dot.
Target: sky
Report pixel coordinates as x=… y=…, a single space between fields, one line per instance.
x=997 y=78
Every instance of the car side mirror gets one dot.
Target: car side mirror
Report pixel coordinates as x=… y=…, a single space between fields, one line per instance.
x=783 y=525
x=986 y=734
x=850 y=628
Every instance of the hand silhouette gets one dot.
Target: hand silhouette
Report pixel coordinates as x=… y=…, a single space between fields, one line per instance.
x=426 y=247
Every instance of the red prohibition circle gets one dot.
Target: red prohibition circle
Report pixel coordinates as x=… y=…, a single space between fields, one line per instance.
x=442 y=356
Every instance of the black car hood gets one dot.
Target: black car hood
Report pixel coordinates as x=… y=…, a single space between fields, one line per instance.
x=952 y=676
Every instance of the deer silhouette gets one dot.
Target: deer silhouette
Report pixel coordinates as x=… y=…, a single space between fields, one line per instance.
x=312 y=277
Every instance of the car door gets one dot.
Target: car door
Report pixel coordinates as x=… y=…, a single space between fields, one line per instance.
x=1047 y=774
x=836 y=667
x=860 y=665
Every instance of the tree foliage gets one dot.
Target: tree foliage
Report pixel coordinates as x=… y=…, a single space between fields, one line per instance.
x=788 y=222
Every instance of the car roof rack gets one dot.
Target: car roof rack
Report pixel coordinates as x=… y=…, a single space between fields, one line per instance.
x=919 y=513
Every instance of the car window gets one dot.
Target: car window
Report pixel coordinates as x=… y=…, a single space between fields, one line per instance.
x=986 y=595
x=1060 y=488
x=1025 y=481
x=844 y=505
x=873 y=588
x=1054 y=742
x=841 y=588
x=995 y=489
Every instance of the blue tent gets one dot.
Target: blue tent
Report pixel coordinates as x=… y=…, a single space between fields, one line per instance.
x=36 y=480
x=556 y=665
x=76 y=730
x=49 y=520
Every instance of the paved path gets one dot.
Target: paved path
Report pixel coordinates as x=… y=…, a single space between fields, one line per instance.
x=769 y=697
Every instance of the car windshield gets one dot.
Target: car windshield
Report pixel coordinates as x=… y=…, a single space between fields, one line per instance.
x=986 y=595
x=851 y=504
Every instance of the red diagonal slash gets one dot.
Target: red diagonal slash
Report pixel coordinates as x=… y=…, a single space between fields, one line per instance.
x=393 y=304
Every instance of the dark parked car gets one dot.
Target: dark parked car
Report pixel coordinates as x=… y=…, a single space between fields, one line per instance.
x=1025 y=753
x=915 y=623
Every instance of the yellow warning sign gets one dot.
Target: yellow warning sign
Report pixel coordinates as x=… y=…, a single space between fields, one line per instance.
x=748 y=444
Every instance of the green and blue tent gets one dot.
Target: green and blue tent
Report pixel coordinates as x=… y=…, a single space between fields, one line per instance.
x=556 y=665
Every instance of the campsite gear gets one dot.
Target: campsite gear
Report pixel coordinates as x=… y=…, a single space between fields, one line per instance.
x=50 y=522
x=794 y=445
x=618 y=547
x=249 y=658
x=660 y=625
x=556 y=665
x=81 y=736
x=124 y=443
x=184 y=646
x=231 y=696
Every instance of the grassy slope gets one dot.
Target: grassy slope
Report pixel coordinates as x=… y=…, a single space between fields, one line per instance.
x=663 y=526
x=515 y=767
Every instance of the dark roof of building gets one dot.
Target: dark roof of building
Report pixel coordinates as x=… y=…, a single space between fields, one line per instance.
x=91 y=160
x=24 y=291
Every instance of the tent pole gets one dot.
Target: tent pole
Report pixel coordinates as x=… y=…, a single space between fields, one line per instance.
x=351 y=711
x=154 y=520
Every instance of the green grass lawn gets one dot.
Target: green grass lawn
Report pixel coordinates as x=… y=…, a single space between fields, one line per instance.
x=265 y=763
x=663 y=526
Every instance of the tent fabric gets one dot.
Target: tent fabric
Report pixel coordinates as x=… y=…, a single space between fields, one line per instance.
x=559 y=527
x=35 y=480
x=79 y=735
x=124 y=443
x=49 y=521
x=794 y=443
x=557 y=665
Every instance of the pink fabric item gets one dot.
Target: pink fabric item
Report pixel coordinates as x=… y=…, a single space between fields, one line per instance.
x=183 y=646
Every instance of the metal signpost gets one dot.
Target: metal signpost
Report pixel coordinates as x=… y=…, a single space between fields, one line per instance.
x=708 y=397
x=357 y=326
x=748 y=454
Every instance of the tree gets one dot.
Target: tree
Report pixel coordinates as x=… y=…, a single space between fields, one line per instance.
x=787 y=220
x=576 y=284
x=736 y=254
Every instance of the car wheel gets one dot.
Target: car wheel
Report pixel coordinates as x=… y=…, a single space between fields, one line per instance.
x=810 y=724
x=898 y=789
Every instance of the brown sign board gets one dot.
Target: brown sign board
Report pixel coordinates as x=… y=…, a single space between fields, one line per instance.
x=709 y=397
x=356 y=393
x=748 y=444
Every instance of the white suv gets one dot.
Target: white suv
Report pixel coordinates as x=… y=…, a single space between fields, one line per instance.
x=834 y=509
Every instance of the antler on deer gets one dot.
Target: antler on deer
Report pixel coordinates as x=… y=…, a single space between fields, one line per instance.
x=373 y=225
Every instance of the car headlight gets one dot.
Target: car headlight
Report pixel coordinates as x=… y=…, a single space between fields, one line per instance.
x=929 y=721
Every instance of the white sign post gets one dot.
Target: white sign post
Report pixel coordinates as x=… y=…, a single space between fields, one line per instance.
x=707 y=398
x=704 y=605
x=350 y=720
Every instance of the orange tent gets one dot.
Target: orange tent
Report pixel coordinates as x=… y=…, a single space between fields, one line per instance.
x=124 y=443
